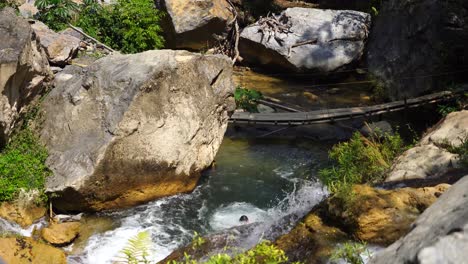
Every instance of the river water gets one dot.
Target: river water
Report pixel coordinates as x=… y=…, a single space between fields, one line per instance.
x=267 y=180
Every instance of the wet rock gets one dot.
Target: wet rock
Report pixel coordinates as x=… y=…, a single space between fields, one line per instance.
x=134 y=128
x=192 y=24
x=340 y=39
x=90 y=225
x=401 y=45
x=378 y=129
x=382 y=216
x=25 y=250
x=310 y=241
x=430 y=158
x=439 y=235
x=61 y=234
x=24 y=215
x=310 y=96
x=224 y=242
x=59 y=47
x=23 y=68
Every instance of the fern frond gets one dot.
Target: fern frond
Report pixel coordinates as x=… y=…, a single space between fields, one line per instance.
x=136 y=250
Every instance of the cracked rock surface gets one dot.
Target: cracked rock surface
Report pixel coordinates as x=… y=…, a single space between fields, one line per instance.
x=133 y=128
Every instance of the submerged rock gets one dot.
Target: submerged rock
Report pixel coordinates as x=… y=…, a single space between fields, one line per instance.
x=59 y=47
x=21 y=250
x=418 y=39
x=192 y=23
x=430 y=158
x=61 y=234
x=439 y=235
x=23 y=68
x=310 y=39
x=133 y=128
x=382 y=216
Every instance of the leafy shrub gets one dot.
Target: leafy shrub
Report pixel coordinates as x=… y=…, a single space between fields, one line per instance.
x=246 y=99
x=264 y=252
x=22 y=165
x=129 y=26
x=56 y=13
x=351 y=252
x=5 y=3
x=360 y=160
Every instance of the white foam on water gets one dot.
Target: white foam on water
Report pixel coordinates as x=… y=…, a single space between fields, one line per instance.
x=6 y=226
x=228 y=216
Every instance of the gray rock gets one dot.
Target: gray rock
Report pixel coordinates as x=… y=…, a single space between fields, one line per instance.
x=379 y=129
x=191 y=24
x=340 y=35
x=60 y=48
x=23 y=68
x=430 y=158
x=439 y=235
x=418 y=38
x=133 y=128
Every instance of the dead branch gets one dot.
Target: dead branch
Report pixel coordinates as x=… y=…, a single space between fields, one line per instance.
x=302 y=43
x=91 y=38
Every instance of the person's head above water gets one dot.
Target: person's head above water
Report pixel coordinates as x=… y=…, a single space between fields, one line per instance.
x=244 y=218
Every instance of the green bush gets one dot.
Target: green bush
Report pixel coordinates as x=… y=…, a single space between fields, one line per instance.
x=246 y=99
x=461 y=150
x=22 y=165
x=350 y=252
x=129 y=26
x=360 y=160
x=264 y=252
x=56 y=13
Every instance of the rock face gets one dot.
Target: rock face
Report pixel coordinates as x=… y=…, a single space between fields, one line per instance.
x=429 y=159
x=61 y=234
x=192 y=23
x=60 y=48
x=23 y=68
x=439 y=235
x=132 y=128
x=22 y=215
x=25 y=250
x=383 y=216
x=340 y=39
x=418 y=38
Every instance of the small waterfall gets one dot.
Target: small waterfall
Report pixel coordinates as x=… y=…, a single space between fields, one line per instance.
x=8 y=227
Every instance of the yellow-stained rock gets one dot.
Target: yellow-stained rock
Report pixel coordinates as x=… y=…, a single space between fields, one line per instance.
x=25 y=251
x=61 y=234
x=383 y=216
x=22 y=215
x=311 y=241
x=310 y=96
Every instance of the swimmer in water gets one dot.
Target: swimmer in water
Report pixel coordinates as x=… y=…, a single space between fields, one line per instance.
x=244 y=219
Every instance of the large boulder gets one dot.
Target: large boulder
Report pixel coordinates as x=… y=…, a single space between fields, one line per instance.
x=439 y=235
x=59 y=47
x=132 y=128
x=431 y=158
x=307 y=39
x=415 y=46
x=23 y=68
x=191 y=24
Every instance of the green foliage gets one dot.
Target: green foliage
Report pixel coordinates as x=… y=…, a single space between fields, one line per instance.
x=444 y=110
x=197 y=241
x=56 y=13
x=350 y=252
x=137 y=249
x=264 y=252
x=129 y=26
x=5 y=3
x=358 y=161
x=22 y=165
x=246 y=99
